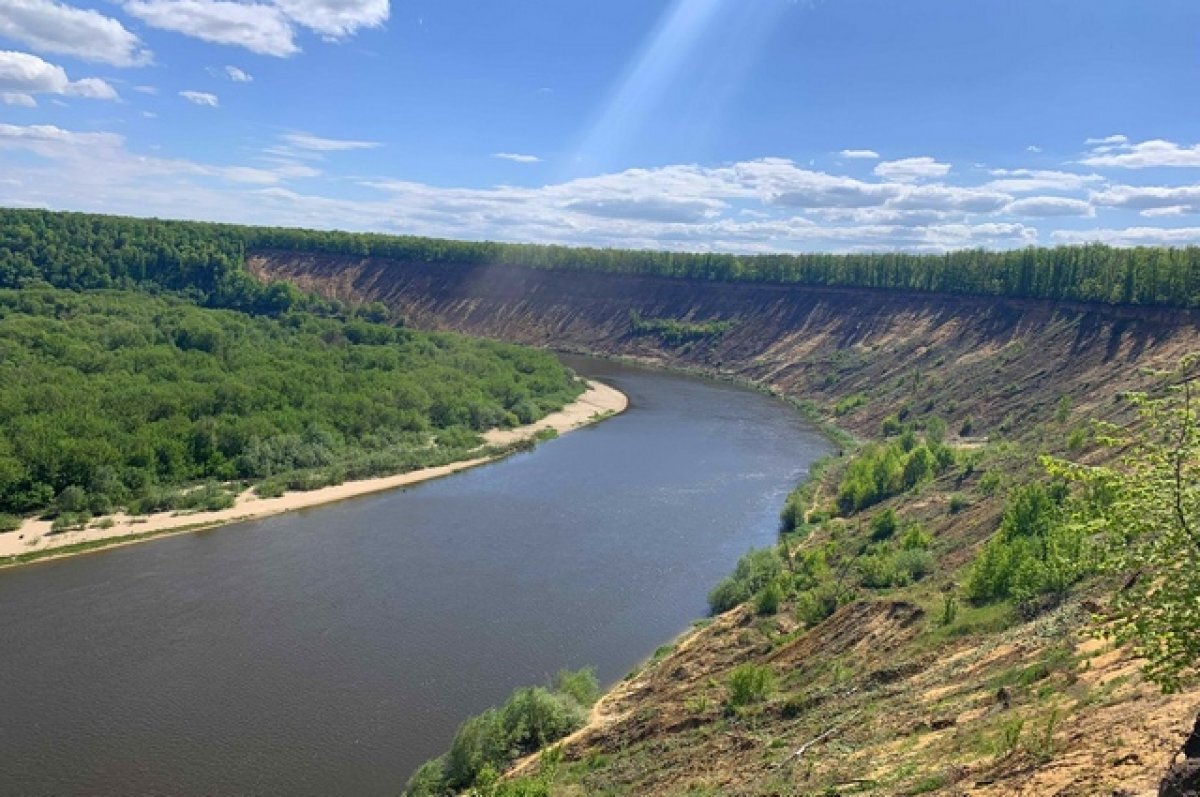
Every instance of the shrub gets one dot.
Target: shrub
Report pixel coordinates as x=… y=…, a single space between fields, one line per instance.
x=69 y=521
x=529 y=720
x=883 y=470
x=768 y=598
x=750 y=684
x=989 y=483
x=884 y=525
x=1033 y=553
x=916 y=538
x=9 y=523
x=753 y=572
x=849 y=403
x=815 y=605
x=958 y=502
x=581 y=685
x=891 y=426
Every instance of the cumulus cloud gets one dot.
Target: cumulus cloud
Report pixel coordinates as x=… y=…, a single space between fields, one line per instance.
x=1021 y=181
x=763 y=205
x=266 y=28
x=1131 y=236
x=517 y=157
x=17 y=98
x=949 y=198
x=863 y=154
x=201 y=98
x=23 y=75
x=237 y=75
x=312 y=143
x=1151 y=200
x=258 y=27
x=1143 y=155
x=912 y=169
x=336 y=18
x=1046 y=206
x=49 y=26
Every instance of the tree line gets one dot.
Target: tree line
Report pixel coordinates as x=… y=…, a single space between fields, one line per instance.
x=72 y=250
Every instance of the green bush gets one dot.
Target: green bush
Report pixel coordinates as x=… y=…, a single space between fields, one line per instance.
x=884 y=525
x=1033 y=553
x=883 y=470
x=9 y=523
x=817 y=604
x=69 y=521
x=529 y=720
x=768 y=598
x=754 y=571
x=750 y=684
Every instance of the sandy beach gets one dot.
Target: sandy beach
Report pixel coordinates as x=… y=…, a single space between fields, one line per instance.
x=599 y=401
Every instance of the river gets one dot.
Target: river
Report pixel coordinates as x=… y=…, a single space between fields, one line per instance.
x=331 y=651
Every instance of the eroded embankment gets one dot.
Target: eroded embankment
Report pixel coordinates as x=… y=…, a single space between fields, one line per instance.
x=881 y=698
x=994 y=361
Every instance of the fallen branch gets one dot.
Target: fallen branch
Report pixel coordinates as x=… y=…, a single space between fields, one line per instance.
x=802 y=749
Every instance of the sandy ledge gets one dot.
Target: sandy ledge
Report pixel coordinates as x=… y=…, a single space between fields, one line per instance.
x=598 y=402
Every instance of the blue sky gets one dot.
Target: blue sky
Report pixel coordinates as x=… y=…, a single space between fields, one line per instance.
x=741 y=125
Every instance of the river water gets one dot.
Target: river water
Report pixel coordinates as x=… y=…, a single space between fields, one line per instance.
x=331 y=651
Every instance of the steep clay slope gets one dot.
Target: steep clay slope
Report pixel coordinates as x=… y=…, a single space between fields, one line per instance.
x=880 y=698
x=1005 y=359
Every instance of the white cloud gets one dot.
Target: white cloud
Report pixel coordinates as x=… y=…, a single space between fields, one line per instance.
x=17 y=98
x=864 y=154
x=1143 y=155
x=517 y=158
x=1021 y=181
x=912 y=169
x=1132 y=236
x=1034 y=148
x=201 y=98
x=336 y=18
x=237 y=75
x=1045 y=206
x=258 y=27
x=1107 y=140
x=152 y=90
x=52 y=27
x=23 y=75
x=267 y=27
x=306 y=141
x=764 y=205
x=45 y=139
x=949 y=198
x=1151 y=200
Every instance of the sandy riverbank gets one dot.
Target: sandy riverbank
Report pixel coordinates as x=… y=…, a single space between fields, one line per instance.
x=599 y=401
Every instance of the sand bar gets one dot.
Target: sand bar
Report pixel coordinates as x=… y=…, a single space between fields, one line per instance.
x=598 y=402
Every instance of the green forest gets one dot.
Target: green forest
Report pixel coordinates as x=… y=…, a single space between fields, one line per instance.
x=120 y=399
x=71 y=250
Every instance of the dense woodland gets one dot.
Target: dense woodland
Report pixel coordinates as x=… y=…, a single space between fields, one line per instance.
x=115 y=399
x=86 y=251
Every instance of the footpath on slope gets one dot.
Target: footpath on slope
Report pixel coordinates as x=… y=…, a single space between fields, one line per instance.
x=34 y=537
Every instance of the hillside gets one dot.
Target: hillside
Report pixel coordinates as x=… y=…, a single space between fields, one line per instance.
x=885 y=696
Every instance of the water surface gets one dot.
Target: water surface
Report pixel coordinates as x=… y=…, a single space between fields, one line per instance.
x=331 y=651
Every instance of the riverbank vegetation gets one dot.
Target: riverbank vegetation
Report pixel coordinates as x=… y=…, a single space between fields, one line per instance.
x=123 y=400
x=485 y=745
x=207 y=260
